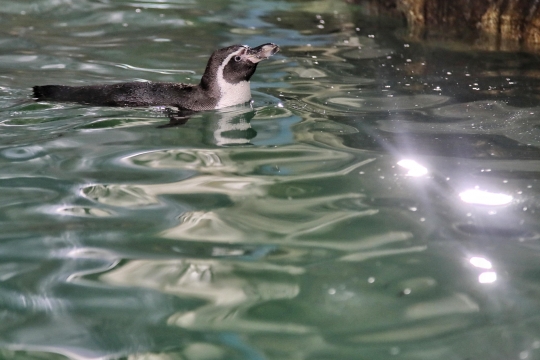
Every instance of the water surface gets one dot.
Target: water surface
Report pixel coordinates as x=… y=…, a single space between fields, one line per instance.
x=377 y=200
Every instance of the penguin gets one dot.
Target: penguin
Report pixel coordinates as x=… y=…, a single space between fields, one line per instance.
x=225 y=82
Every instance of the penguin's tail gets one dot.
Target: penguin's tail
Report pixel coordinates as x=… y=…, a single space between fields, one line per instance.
x=51 y=92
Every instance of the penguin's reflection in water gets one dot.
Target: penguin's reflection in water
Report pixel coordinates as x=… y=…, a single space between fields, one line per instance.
x=229 y=127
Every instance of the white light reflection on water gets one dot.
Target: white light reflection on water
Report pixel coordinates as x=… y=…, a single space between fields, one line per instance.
x=480 y=262
x=487 y=277
x=415 y=169
x=480 y=197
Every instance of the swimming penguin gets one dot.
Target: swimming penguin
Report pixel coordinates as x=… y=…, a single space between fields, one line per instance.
x=225 y=83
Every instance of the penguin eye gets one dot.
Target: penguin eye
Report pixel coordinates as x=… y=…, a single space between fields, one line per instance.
x=237 y=58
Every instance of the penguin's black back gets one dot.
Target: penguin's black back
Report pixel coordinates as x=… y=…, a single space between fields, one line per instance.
x=129 y=94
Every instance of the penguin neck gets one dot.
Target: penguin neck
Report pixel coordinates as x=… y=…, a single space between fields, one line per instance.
x=233 y=94
x=226 y=93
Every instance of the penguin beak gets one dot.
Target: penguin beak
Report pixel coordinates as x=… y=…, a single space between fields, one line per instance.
x=261 y=52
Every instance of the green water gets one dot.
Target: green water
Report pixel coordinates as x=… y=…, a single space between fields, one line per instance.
x=378 y=200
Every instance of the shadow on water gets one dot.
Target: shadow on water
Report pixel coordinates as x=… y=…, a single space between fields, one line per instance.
x=379 y=198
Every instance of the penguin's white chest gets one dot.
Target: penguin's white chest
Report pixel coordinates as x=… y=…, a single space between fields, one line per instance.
x=233 y=94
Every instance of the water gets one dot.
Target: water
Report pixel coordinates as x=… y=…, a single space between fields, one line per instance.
x=378 y=200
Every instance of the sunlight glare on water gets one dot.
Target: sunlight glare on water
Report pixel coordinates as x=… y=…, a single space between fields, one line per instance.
x=378 y=198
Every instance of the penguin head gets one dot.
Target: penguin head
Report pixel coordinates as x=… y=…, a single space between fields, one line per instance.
x=235 y=64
